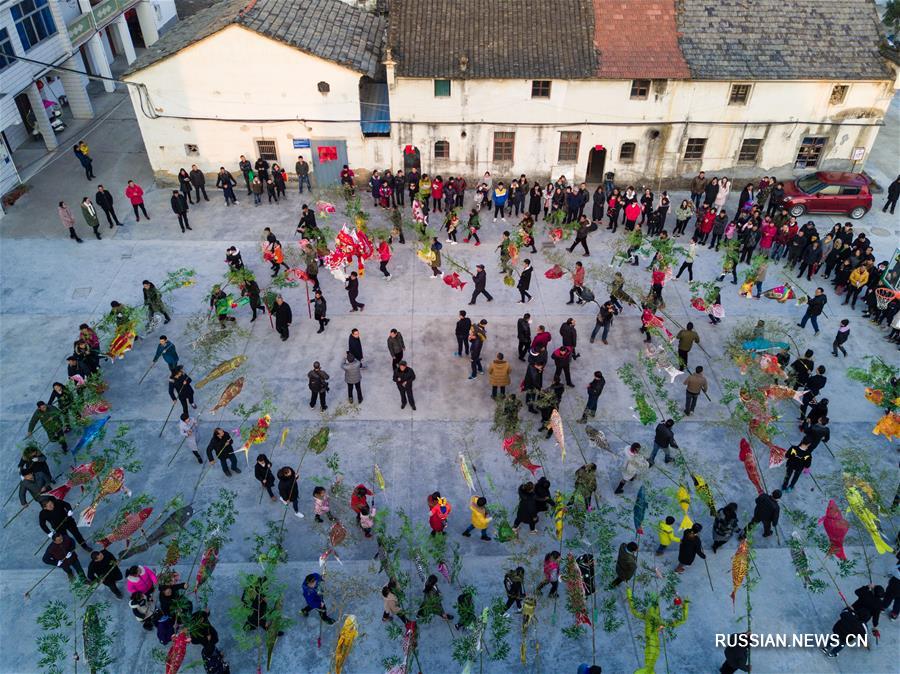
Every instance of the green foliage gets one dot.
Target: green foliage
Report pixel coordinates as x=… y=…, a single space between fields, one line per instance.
x=180 y=278
x=98 y=639
x=628 y=375
x=264 y=543
x=731 y=250
x=880 y=376
x=54 y=622
x=499 y=626
x=209 y=340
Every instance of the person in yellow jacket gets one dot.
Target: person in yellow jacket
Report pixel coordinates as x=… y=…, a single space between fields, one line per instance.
x=480 y=519
x=666 y=535
x=859 y=277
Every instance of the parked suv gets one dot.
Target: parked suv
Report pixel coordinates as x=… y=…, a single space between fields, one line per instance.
x=827 y=192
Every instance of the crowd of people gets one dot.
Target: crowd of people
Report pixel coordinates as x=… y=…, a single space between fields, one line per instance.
x=760 y=225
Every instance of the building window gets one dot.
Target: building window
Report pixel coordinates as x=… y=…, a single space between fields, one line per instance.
x=694 y=149
x=442 y=149
x=810 y=152
x=191 y=150
x=540 y=89
x=749 y=150
x=627 y=152
x=838 y=94
x=34 y=22
x=640 y=88
x=740 y=94
x=6 y=49
x=323 y=87
x=504 y=145
x=441 y=88
x=568 y=146
x=266 y=150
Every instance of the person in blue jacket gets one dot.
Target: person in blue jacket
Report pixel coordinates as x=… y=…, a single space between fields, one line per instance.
x=314 y=599
x=500 y=195
x=167 y=350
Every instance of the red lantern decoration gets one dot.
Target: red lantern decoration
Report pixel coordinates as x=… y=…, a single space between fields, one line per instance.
x=599 y=148
x=409 y=149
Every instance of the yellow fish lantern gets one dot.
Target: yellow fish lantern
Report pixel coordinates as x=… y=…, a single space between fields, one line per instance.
x=379 y=478
x=703 y=491
x=348 y=635
x=867 y=519
x=559 y=513
x=222 y=369
x=739 y=565
x=684 y=500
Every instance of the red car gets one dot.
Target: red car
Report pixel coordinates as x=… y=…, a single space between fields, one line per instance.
x=828 y=192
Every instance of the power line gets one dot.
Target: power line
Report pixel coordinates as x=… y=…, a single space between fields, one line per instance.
x=151 y=113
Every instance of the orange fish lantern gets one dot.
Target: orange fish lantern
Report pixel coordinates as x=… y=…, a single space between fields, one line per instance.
x=257 y=435
x=514 y=446
x=176 y=653
x=836 y=528
x=554 y=272
x=454 y=281
x=874 y=396
x=78 y=477
x=749 y=461
x=207 y=564
x=126 y=528
x=112 y=484
x=325 y=208
x=888 y=426
x=121 y=344
x=739 y=565
x=769 y=365
x=230 y=393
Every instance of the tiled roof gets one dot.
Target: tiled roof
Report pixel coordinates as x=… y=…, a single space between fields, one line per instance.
x=496 y=39
x=637 y=39
x=329 y=29
x=774 y=40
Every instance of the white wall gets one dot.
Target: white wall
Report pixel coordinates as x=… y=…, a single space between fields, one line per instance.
x=190 y=85
x=239 y=74
x=165 y=12
x=478 y=108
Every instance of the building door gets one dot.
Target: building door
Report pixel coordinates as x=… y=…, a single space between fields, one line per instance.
x=329 y=157
x=596 y=164
x=412 y=159
x=134 y=27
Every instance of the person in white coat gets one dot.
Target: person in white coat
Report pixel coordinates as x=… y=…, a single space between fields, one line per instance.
x=633 y=465
x=722 y=196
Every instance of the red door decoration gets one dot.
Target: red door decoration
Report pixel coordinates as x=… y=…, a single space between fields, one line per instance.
x=327 y=153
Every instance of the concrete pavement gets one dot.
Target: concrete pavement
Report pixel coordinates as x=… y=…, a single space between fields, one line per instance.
x=51 y=284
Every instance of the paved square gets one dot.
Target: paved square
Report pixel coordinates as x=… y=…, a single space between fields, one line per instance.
x=51 y=284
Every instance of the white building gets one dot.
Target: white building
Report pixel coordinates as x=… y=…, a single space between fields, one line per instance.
x=462 y=86
x=44 y=44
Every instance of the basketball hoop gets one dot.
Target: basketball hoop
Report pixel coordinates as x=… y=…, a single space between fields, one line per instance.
x=883 y=297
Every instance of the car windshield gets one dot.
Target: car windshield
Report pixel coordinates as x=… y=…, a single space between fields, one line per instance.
x=810 y=184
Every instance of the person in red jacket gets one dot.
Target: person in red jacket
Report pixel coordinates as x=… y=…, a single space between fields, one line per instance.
x=440 y=512
x=437 y=194
x=136 y=196
x=359 y=498
x=384 y=254
x=632 y=213
x=541 y=339
x=704 y=225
